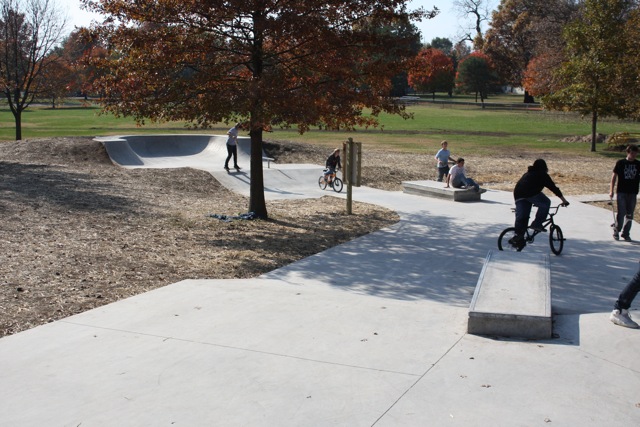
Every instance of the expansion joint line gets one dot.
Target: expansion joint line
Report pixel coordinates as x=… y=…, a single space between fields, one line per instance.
x=418 y=380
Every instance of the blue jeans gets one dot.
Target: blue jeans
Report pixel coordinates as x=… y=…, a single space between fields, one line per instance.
x=628 y=293
x=329 y=171
x=461 y=180
x=626 y=206
x=523 y=210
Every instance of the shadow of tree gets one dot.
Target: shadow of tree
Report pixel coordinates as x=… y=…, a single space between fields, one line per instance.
x=434 y=257
x=43 y=184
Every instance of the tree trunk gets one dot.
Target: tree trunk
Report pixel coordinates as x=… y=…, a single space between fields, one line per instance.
x=17 y=115
x=594 y=127
x=528 y=98
x=257 y=203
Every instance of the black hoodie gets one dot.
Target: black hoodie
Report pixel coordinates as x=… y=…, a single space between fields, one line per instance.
x=534 y=181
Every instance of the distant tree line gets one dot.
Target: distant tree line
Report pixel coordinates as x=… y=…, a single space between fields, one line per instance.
x=572 y=55
x=317 y=64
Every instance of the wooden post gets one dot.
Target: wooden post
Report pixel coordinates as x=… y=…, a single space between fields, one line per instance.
x=352 y=168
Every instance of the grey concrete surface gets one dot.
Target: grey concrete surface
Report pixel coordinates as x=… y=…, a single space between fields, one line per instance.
x=512 y=297
x=368 y=333
x=430 y=188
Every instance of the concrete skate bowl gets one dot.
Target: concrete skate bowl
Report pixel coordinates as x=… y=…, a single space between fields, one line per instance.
x=208 y=153
x=172 y=151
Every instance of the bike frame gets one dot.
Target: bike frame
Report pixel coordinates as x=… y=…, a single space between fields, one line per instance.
x=556 y=237
x=530 y=235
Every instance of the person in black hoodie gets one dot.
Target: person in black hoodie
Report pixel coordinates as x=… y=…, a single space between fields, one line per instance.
x=528 y=192
x=331 y=165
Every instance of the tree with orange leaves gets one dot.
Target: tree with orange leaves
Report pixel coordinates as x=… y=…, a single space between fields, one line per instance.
x=270 y=62
x=76 y=49
x=55 y=81
x=539 y=78
x=431 y=71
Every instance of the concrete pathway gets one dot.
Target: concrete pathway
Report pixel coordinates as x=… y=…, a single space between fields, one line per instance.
x=368 y=333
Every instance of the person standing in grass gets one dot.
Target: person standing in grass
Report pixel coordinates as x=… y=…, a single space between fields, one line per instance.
x=627 y=175
x=458 y=179
x=443 y=156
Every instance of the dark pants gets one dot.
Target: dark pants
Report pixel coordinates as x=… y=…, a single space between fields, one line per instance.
x=442 y=172
x=523 y=210
x=626 y=206
x=232 y=150
x=628 y=293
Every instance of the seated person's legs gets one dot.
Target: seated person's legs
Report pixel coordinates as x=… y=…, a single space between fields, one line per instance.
x=472 y=183
x=458 y=181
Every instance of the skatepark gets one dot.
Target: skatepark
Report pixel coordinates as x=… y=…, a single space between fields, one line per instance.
x=372 y=332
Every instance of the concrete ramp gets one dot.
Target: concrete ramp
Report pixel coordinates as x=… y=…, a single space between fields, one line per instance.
x=208 y=153
x=205 y=152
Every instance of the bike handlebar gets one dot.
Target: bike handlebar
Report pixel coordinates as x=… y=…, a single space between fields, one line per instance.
x=555 y=208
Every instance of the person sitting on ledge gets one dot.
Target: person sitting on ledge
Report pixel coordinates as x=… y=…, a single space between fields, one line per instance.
x=458 y=179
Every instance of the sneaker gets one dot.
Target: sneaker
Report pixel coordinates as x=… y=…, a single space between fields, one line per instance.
x=482 y=191
x=538 y=228
x=623 y=318
x=226 y=168
x=237 y=168
x=626 y=237
x=517 y=242
x=616 y=235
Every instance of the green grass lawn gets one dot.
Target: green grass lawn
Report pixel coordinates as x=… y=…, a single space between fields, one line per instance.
x=468 y=129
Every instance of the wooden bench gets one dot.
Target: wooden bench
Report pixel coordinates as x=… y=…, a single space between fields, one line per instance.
x=437 y=189
x=512 y=297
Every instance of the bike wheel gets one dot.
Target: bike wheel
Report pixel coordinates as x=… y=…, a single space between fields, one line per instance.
x=503 y=241
x=337 y=185
x=322 y=183
x=556 y=239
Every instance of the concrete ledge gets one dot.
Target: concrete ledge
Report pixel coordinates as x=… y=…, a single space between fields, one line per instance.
x=512 y=297
x=437 y=189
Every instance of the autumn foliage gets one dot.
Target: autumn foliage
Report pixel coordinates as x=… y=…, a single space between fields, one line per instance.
x=276 y=62
x=539 y=78
x=431 y=70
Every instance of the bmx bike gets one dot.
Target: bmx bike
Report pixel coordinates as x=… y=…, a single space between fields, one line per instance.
x=331 y=180
x=556 y=238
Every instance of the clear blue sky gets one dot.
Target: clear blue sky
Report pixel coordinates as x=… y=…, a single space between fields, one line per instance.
x=443 y=25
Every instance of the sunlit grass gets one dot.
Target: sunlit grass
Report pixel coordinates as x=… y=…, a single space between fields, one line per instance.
x=467 y=128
